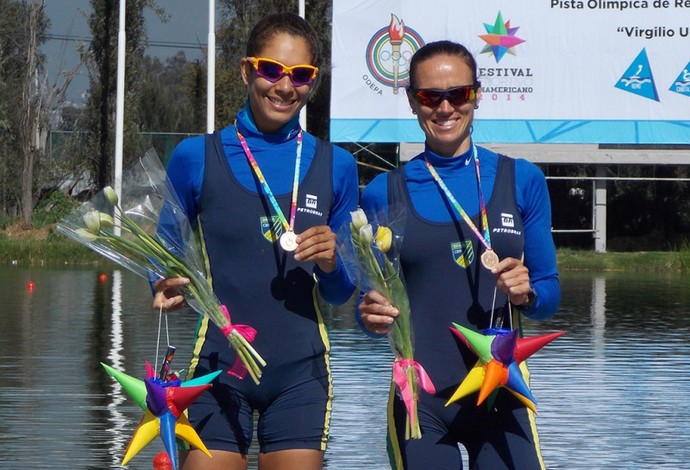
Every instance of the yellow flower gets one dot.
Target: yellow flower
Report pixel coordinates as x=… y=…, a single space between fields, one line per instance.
x=384 y=238
x=359 y=219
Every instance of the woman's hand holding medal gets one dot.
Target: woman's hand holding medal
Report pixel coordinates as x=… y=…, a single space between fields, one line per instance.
x=317 y=244
x=513 y=280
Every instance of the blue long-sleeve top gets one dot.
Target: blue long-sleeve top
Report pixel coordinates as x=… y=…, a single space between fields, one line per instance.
x=459 y=173
x=275 y=154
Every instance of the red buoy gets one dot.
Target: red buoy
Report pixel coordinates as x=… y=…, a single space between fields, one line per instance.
x=162 y=461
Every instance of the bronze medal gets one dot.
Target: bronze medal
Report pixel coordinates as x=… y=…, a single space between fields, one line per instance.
x=489 y=259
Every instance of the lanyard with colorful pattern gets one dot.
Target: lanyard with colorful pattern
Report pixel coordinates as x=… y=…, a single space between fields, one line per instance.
x=288 y=240
x=489 y=258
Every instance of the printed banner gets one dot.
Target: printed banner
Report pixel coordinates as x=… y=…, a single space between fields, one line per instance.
x=552 y=71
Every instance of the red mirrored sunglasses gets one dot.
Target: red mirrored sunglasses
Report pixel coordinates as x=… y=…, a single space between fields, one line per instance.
x=457 y=96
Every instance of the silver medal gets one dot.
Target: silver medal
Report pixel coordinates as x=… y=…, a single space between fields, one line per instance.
x=288 y=241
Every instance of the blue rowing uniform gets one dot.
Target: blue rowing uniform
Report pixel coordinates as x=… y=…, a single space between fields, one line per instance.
x=446 y=283
x=262 y=285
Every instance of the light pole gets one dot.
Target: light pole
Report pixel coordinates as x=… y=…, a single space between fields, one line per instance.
x=120 y=104
x=211 y=81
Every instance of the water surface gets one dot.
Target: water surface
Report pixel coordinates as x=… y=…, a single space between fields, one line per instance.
x=611 y=393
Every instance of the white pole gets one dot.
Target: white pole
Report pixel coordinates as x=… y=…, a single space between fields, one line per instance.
x=211 y=84
x=120 y=103
x=600 y=210
x=303 y=111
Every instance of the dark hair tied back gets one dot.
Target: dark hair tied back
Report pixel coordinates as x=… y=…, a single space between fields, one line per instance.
x=433 y=49
x=289 y=23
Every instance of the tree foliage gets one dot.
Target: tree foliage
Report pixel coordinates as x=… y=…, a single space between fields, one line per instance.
x=23 y=26
x=99 y=117
x=170 y=95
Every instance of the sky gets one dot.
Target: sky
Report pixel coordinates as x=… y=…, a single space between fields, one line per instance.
x=188 y=24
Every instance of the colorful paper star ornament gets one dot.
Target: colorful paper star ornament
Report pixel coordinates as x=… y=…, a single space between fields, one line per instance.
x=164 y=403
x=500 y=355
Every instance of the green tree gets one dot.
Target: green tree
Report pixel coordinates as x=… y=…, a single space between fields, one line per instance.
x=169 y=95
x=23 y=27
x=99 y=121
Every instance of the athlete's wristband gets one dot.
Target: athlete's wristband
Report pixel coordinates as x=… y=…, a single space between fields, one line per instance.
x=531 y=300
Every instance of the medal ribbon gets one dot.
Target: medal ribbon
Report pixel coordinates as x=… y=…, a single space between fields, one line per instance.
x=486 y=238
x=289 y=226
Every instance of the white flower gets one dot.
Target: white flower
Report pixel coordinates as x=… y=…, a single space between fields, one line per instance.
x=85 y=235
x=366 y=234
x=110 y=195
x=92 y=220
x=105 y=220
x=359 y=219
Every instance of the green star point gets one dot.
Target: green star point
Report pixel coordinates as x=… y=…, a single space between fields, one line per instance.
x=479 y=343
x=135 y=388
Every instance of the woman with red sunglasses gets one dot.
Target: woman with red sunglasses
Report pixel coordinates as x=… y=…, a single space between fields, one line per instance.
x=268 y=197
x=478 y=252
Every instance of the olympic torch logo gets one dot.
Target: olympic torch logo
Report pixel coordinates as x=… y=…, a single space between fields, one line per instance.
x=389 y=52
x=396 y=33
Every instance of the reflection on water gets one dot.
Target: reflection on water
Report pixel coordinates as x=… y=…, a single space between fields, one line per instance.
x=611 y=393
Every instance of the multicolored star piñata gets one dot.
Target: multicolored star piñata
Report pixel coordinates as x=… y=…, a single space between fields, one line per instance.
x=163 y=402
x=499 y=361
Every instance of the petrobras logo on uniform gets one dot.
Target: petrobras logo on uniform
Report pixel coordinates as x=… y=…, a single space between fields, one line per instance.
x=311 y=205
x=507 y=225
x=311 y=201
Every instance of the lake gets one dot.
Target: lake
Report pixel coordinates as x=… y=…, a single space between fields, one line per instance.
x=613 y=392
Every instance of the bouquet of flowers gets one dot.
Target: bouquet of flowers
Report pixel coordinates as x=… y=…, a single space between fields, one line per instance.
x=371 y=259
x=148 y=233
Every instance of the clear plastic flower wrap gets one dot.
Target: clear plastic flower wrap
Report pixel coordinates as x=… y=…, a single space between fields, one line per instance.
x=370 y=252
x=147 y=232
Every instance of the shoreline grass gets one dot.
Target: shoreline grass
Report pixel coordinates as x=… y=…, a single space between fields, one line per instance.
x=639 y=261
x=53 y=249
x=56 y=249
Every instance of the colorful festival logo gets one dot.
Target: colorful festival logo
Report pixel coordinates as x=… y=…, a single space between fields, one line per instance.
x=389 y=52
x=682 y=83
x=271 y=230
x=638 y=78
x=500 y=38
x=463 y=253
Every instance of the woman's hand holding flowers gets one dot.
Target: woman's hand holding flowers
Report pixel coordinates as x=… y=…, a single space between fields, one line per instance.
x=168 y=293
x=377 y=312
x=372 y=257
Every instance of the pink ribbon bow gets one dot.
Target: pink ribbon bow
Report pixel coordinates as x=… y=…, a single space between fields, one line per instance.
x=400 y=378
x=247 y=332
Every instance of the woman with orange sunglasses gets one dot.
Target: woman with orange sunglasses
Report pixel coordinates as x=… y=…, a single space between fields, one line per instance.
x=268 y=197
